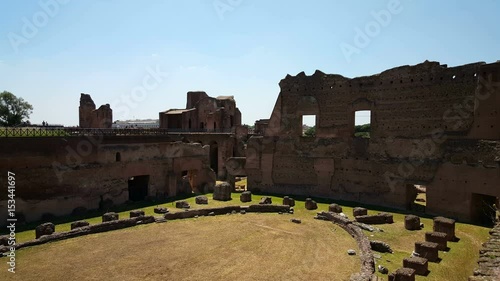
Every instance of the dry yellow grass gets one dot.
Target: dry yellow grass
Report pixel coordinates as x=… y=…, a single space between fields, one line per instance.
x=234 y=247
x=230 y=247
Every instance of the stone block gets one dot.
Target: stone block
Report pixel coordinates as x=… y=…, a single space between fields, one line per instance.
x=412 y=222
x=222 y=191
x=78 y=224
x=381 y=218
x=388 y=218
x=428 y=250
x=137 y=213
x=380 y=247
x=311 y=204
x=44 y=229
x=403 y=274
x=201 y=200
x=359 y=211
x=266 y=200
x=181 y=205
x=335 y=208
x=288 y=201
x=421 y=265
x=246 y=196
x=437 y=237
x=4 y=240
x=445 y=225
x=111 y=216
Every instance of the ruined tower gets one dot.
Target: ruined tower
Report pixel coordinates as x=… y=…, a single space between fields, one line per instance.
x=90 y=117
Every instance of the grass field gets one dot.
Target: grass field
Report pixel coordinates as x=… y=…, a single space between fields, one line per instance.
x=234 y=247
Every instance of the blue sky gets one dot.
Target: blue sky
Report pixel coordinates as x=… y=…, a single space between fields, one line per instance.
x=53 y=50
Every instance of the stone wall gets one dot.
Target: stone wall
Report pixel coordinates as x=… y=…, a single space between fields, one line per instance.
x=90 y=117
x=430 y=124
x=56 y=175
x=488 y=268
x=203 y=112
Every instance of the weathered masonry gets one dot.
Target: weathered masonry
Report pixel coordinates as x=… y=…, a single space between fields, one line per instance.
x=431 y=125
x=63 y=175
x=90 y=117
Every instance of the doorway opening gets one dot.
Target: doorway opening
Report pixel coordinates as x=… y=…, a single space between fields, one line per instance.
x=138 y=188
x=416 y=197
x=214 y=157
x=483 y=209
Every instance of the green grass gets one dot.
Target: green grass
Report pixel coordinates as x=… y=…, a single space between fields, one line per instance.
x=457 y=264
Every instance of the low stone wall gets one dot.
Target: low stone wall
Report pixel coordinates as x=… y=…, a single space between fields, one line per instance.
x=227 y=210
x=488 y=268
x=381 y=218
x=81 y=231
x=366 y=255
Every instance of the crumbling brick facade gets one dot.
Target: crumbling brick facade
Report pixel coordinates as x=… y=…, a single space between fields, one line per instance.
x=430 y=125
x=90 y=117
x=203 y=113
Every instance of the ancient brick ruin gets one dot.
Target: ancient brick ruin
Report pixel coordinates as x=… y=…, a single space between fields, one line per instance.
x=204 y=114
x=90 y=117
x=69 y=175
x=210 y=121
x=431 y=125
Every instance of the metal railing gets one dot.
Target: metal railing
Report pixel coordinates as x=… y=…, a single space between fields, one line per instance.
x=80 y=132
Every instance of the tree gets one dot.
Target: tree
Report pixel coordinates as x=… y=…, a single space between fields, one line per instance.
x=362 y=131
x=310 y=132
x=13 y=110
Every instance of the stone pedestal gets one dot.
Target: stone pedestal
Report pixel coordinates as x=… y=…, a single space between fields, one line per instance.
x=421 y=265
x=335 y=208
x=403 y=274
x=412 y=222
x=428 y=250
x=136 y=213
x=201 y=200
x=437 y=237
x=246 y=196
x=111 y=216
x=266 y=200
x=445 y=225
x=44 y=229
x=311 y=204
x=222 y=192
x=288 y=201
x=358 y=211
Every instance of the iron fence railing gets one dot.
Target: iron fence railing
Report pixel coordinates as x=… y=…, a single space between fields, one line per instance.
x=79 y=132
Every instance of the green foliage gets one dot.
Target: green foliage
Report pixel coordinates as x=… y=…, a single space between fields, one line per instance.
x=311 y=132
x=13 y=110
x=250 y=127
x=362 y=131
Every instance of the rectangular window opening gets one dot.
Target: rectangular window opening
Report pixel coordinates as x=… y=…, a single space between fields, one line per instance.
x=309 y=125
x=362 y=126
